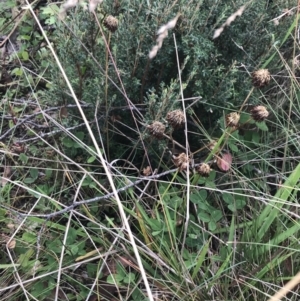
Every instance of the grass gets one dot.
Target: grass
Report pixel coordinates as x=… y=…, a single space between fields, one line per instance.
x=80 y=224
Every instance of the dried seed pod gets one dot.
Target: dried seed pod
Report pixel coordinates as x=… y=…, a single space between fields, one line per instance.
x=147 y=171
x=232 y=119
x=204 y=169
x=111 y=23
x=181 y=161
x=261 y=78
x=296 y=61
x=17 y=148
x=157 y=129
x=259 y=113
x=176 y=118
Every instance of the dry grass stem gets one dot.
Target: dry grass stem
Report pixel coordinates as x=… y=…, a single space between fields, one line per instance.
x=162 y=34
x=286 y=289
x=238 y=13
x=72 y=3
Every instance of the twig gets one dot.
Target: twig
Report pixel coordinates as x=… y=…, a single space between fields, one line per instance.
x=93 y=200
x=51 y=133
x=27 y=118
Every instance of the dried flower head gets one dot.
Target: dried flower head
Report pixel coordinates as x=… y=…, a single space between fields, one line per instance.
x=232 y=119
x=17 y=148
x=157 y=129
x=111 y=23
x=181 y=161
x=147 y=171
x=176 y=118
x=296 y=61
x=204 y=169
x=261 y=78
x=224 y=161
x=259 y=113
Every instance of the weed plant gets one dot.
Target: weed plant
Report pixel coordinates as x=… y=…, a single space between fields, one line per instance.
x=134 y=174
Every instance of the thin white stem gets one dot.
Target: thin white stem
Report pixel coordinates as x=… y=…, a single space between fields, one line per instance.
x=108 y=174
x=188 y=188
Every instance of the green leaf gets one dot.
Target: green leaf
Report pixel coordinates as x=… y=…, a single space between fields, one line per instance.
x=210 y=184
x=68 y=142
x=199 y=196
x=34 y=173
x=232 y=207
x=29 y=180
x=204 y=216
x=130 y=277
x=216 y=215
x=23 y=158
x=29 y=237
x=255 y=137
x=228 y=198
x=74 y=249
x=212 y=226
x=114 y=278
x=72 y=235
x=155 y=224
x=25 y=55
x=155 y=233
x=17 y=71
x=79 y=135
x=91 y=159
x=262 y=126
x=233 y=147
x=51 y=9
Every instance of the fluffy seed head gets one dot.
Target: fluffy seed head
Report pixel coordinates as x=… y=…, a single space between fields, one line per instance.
x=259 y=113
x=204 y=169
x=176 y=118
x=111 y=23
x=157 y=129
x=261 y=78
x=232 y=119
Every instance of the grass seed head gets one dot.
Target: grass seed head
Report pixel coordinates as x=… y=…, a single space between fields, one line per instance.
x=232 y=119
x=157 y=129
x=259 y=113
x=111 y=23
x=176 y=118
x=204 y=169
x=261 y=78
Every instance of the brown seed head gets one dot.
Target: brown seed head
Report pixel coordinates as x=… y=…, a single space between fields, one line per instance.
x=259 y=113
x=176 y=118
x=181 y=161
x=204 y=169
x=296 y=61
x=157 y=129
x=232 y=119
x=147 y=171
x=261 y=78
x=18 y=148
x=111 y=23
